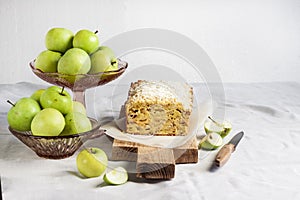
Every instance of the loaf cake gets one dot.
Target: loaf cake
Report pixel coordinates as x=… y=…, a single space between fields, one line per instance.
x=158 y=108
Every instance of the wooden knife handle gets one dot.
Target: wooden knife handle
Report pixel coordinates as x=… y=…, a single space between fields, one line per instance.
x=224 y=154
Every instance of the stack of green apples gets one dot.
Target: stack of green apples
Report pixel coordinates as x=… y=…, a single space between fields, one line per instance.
x=73 y=54
x=49 y=112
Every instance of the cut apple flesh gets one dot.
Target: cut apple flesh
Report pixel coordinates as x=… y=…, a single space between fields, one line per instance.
x=215 y=139
x=212 y=127
x=116 y=177
x=221 y=128
x=211 y=141
x=226 y=125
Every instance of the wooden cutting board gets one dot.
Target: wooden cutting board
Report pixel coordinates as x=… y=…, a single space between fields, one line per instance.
x=154 y=162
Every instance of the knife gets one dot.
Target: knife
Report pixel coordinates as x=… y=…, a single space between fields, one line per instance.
x=226 y=151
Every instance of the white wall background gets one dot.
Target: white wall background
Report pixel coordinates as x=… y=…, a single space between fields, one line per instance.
x=248 y=40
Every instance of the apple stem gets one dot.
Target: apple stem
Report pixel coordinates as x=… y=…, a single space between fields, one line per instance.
x=62 y=90
x=11 y=103
x=91 y=150
x=96 y=31
x=214 y=121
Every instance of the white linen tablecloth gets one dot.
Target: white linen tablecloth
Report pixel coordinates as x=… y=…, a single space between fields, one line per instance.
x=266 y=164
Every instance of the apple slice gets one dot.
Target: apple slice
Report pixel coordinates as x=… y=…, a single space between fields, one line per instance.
x=211 y=141
x=116 y=176
x=222 y=128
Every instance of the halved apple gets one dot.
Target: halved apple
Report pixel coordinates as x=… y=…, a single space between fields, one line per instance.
x=116 y=176
x=211 y=141
x=222 y=128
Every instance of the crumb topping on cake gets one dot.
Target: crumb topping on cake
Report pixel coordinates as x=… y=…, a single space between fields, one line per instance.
x=162 y=91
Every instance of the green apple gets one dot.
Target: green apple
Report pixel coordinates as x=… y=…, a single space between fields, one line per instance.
x=59 y=39
x=107 y=50
x=47 y=61
x=91 y=162
x=21 y=113
x=76 y=123
x=116 y=176
x=37 y=95
x=211 y=141
x=74 y=61
x=86 y=40
x=112 y=67
x=103 y=61
x=78 y=107
x=48 y=122
x=223 y=128
x=58 y=98
x=109 y=72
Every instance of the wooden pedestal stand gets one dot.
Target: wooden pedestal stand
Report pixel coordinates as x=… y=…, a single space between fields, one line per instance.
x=154 y=162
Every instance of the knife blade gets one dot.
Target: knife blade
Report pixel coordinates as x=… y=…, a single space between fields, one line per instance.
x=226 y=151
